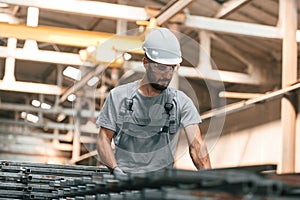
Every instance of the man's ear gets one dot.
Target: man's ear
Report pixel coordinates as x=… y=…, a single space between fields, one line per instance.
x=145 y=62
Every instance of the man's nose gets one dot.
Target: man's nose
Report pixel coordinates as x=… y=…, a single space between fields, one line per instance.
x=168 y=74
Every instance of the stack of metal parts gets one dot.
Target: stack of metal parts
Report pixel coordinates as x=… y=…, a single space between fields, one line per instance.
x=23 y=180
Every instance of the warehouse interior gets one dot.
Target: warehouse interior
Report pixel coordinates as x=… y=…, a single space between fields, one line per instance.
x=59 y=60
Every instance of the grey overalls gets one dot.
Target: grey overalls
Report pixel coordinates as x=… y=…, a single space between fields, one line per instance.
x=146 y=144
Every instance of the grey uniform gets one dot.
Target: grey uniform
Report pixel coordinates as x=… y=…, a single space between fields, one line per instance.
x=141 y=144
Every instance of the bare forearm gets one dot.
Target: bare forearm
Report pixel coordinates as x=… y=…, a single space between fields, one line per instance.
x=105 y=152
x=200 y=156
x=197 y=147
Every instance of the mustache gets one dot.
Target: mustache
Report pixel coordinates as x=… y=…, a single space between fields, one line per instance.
x=164 y=79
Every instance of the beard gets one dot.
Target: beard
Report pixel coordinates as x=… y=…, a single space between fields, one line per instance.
x=158 y=86
x=154 y=83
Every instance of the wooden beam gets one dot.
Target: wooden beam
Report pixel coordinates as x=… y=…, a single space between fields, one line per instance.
x=232 y=27
x=231 y=77
x=153 y=12
x=230 y=6
x=242 y=105
x=172 y=11
x=288 y=24
x=238 y=95
x=83 y=157
x=217 y=75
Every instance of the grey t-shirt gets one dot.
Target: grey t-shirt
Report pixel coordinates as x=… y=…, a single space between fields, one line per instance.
x=139 y=147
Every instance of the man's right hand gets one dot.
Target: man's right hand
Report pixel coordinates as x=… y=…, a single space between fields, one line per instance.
x=118 y=172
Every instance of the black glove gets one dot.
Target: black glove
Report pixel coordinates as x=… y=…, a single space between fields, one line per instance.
x=118 y=172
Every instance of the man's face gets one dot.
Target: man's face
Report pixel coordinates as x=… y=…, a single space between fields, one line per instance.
x=159 y=75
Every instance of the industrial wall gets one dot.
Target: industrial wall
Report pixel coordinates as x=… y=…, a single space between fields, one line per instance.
x=250 y=137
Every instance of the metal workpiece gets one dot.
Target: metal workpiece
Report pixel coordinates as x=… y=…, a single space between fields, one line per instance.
x=38 y=170
x=21 y=180
x=54 y=166
x=26 y=180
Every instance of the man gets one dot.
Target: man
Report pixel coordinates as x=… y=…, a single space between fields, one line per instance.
x=145 y=116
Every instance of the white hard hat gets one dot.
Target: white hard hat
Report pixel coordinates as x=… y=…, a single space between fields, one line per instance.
x=162 y=46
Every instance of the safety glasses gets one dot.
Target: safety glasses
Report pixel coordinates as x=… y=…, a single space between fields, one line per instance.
x=161 y=68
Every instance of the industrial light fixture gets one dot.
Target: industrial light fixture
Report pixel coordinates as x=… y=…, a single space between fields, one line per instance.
x=91 y=49
x=37 y=103
x=61 y=117
x=30 y=117
x=45 y=106
x=33 y=16
x=71 y=97
x=73 y=73
x=93 y=81
x=127 y=56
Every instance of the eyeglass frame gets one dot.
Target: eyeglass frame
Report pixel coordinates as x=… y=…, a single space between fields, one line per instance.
x=158 y=67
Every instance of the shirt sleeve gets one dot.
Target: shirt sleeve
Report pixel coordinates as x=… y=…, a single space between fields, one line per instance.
x=187 y=110
x=107 y=116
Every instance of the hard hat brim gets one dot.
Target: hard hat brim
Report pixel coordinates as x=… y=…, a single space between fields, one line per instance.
x=167 y=58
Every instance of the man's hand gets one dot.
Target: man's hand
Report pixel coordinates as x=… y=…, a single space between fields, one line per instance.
x=118 y=172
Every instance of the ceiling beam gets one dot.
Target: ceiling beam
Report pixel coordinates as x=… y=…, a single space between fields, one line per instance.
x=81 y=38
x=171 y=11
x=232 y=27
x=44 y=56
x=242 y=105
x=195 y=73
x=230 y=6
x=238 y=95
x=29 y=87
x=49 y=57
x=86 y=8
x=198 y=22
x=71 y=37
x=73 y=59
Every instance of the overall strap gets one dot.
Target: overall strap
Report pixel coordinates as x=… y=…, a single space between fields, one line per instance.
x=127 y=102
x=171 y=111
